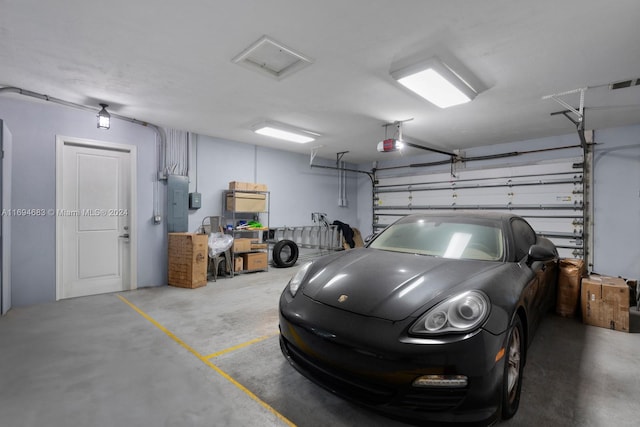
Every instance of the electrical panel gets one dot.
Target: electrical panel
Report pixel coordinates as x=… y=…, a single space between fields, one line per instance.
x=177 y=204
x=195 y=200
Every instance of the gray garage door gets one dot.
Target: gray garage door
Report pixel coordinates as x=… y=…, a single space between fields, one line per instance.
x=549 y=194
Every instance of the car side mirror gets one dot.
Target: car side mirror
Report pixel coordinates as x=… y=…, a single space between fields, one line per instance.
x=539 y=253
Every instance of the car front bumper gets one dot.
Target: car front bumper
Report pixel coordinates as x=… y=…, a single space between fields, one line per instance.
x=371 y=362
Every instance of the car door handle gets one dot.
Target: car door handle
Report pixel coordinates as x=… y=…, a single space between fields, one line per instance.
x=124 y=236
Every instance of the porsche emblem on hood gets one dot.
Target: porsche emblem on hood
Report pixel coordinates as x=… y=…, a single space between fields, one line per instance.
x=343 y=298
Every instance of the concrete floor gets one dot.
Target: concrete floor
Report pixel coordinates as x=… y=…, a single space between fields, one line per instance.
x=210 y=357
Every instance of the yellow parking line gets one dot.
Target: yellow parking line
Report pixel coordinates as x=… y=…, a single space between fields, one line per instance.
x=239 y=346
x=207 y=362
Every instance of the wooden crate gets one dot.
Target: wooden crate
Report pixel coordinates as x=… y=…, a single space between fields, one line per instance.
x=188 y=256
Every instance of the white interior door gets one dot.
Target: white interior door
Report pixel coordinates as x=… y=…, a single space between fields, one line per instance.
x=94 y=218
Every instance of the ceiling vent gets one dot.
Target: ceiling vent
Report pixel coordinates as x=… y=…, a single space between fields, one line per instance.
x=272 y=58
x=625 y=83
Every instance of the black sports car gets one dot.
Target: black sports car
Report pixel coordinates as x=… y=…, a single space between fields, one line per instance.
x=430 y=321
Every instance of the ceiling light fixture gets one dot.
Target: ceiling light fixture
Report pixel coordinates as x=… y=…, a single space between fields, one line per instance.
x=284 y=132
x=436 y=82
x=104 y=118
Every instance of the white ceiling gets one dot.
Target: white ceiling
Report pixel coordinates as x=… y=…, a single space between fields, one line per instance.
x=170 y=64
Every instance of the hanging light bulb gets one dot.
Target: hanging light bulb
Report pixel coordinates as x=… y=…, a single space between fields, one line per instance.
x=104 y=118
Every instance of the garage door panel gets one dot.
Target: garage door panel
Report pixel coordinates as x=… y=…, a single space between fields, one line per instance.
x=547 y=194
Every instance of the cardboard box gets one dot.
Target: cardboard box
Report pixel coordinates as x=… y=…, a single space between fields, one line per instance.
x=246 y=186
x=255 y=261
x=238 y=264
x=568 y=294
x=605 y=302
x=188 y=258
x=246 y=202
x=258 y=246
x=242 y=244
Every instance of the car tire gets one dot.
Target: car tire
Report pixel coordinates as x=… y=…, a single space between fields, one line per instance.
x=285 y=253
x=513 y=368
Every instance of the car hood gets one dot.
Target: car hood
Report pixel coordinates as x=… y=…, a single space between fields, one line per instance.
x=387 y=285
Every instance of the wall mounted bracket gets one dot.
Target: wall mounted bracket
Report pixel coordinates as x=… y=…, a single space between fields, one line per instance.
x=575 y=115
x=578 y=112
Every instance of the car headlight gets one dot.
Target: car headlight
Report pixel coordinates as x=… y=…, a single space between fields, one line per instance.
x=460 y=313
x=296 y=281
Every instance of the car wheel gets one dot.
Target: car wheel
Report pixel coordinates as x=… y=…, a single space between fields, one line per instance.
x=285 y=253
x=513 y=368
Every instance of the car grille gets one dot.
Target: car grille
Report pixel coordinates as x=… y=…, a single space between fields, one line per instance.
x=432 y=400
x=340 y=383
x=354 y=388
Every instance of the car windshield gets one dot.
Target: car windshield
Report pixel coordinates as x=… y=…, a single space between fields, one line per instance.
x=442 y=238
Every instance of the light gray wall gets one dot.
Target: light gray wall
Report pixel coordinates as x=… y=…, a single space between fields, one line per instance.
x=616 y=189
x=296 y=189
x=617 y=202
x=34 y=125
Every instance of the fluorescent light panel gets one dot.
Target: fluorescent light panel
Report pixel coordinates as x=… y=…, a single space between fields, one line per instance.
x=285 y=132
x=436 y=83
